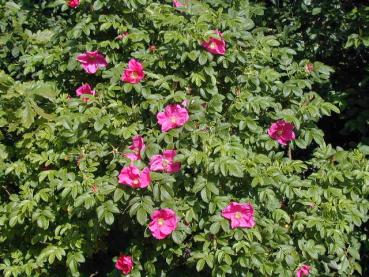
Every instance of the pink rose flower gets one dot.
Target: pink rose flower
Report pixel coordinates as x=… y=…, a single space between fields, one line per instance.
x=282 y=131
x=138 y=146
x=91 y=61
x=85 y=89
x=134 y=178
x=303 y=270
x=240 y=215
x=165 y=162
x=177 y=4
x=134 y=72
x=215 y=45
x=163 y=223
x=73 y=4
x=124 y=264
x=173 y=116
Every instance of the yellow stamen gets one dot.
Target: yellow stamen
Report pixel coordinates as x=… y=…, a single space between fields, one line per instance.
x=238 y=215
x=160 y=221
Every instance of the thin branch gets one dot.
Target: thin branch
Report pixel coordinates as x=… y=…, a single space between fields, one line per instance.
x=289 y=152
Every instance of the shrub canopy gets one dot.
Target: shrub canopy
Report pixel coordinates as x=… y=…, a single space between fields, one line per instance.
x=61 y=203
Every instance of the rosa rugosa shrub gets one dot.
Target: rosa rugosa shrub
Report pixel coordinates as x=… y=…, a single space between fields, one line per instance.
x=201 y=157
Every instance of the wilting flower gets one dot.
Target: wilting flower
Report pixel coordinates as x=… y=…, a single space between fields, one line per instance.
x=165 y=162
x=282 y=131
x=133 y=73
x=121 y=36
x=85 y=89
x=137 y=147
x=303 y=270
x=152 y=48
x=215 y=45
x=240 y=215
x=309 y=67
x=164 y=222
x=133 y=177
x=124 y=264
x=177 y=4
x=91 y=61
x=73 y=4
x=173 y=116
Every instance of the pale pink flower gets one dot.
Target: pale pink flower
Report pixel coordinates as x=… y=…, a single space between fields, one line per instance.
x=85 y=89
x=91 y=61
x=133 y=177
x=164 y=222
x=303 y=270
x=173 y=116
x=165 y=162
x=137 y=147
x=282 y=131
x=124 y=264
x=134 y=73
x=215 y=45
x=177 y=4
x=240 y=215
x=73 y=4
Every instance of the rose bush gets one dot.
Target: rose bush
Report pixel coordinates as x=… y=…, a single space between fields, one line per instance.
x=175 y=129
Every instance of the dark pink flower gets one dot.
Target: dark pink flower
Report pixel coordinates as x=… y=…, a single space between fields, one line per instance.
x=164 y=222
x=303 y=270
x=177 y=4
x=215 y=45
x=85 y=89
x=91 y=61
x=124 y=264
x=137 y=147
x=240 y=215
x=173 y=116
x=133 y=177
x=134 y=72
x=165 y=162
x=282 y=131
x=73 y=4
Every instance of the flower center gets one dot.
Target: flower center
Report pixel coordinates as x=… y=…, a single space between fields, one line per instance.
x=237 y=215
x=161 y=222
x=280 y=132
x=212 y=45
x=173 y=119
x=135 y=181
x=134 y=75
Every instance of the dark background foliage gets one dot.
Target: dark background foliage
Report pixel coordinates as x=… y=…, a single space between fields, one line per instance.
x=337 y=33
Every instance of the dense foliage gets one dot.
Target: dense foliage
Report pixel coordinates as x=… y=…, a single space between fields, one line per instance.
x=62 y=209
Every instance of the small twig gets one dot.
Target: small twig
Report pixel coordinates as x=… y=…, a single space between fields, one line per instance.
x=94 y=274
x=7 y=192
